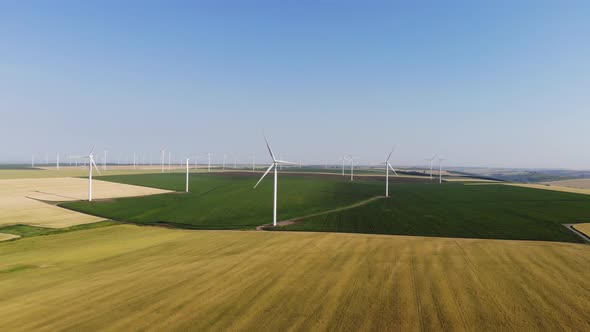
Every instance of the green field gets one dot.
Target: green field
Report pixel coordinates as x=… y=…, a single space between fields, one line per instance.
x=228 y=200
x=457 y=210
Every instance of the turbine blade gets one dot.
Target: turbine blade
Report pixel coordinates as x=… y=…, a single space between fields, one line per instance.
x=270 y=150
x=91 y=150
x=263 y=175
x=394 y=172
x=286 y=162
x=393 y=148
x=94 y=164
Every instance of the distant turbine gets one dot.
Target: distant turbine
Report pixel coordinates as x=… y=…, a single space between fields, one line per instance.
x=387 y=167
x=187 y=160
x=104 y=162
x=224 y=157
x=253 y=161
x=209 y=162
x=162 y=161
x=275 y=164
x=431 y=160
x=169 y=159
x=57 y=162
x=32 y=161
x=134 y=166
x=351 y=169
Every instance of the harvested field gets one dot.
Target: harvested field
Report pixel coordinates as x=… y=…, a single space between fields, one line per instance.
x=583 y=228
x=552 y=187
x=578 y=183
x=144 y=278
x=19 y=200
x=6 y=237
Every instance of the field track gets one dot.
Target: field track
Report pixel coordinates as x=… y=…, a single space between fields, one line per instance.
x=552 y=187
x=21 y=200
x=136 y=278
x=6 y=237
x=583 y=228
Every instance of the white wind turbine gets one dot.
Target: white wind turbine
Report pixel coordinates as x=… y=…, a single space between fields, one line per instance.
x=351 y=168
x=275 y=164
x=187 y=172
x=104 y=162
x=91 y=164
x=57 y=162
x=208 y=162
x=162 y=161
x=387 y=167
x=431 y=160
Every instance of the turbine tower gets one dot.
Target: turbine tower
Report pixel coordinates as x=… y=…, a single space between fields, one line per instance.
x=187 y=160
x=431 y=160
x=387 y=167
x=91 y=164
x=275 y=164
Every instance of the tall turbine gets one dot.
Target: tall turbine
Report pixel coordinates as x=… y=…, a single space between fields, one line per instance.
x=275 y=164
x=351 y=169
x=33 y=161
x=162 y=161
x=387 y=167
x=208 y=161
x=57 y=162
x=169 y=159
x=91 y=164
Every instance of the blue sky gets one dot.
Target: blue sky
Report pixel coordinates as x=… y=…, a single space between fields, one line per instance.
x=483 y=83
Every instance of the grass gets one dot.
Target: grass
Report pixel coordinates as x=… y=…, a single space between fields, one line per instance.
x=28 y=231
x=146 y=278
x=456 y=210
x=228 y=200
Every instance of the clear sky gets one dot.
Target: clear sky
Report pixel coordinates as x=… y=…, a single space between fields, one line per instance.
x=483 y=83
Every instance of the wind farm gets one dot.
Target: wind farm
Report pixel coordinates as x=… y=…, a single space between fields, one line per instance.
x=290 y=166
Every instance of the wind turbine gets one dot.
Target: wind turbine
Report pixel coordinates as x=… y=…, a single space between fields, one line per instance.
x=91 y=163
x=224 y=157
x=57 y=162
x=351 y=169
x=253 y=161
x=387 y=167
x=162 y=161
x=169 y=159
x=275 y=164
x=440 y=160
x=33 y=161
x=104 y=162
x=431 y=162
x=187 y=160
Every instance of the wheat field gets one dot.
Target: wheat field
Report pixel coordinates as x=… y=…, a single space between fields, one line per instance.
x=20 y=200
x=146 y=278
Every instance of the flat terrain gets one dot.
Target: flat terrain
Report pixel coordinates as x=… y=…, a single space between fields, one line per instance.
x=552 y=188
x=583 y=228
x=577 y=183
x=456 y=210
x=6 y=237
x=136 y=278
x=20 y=200
x=228 y=200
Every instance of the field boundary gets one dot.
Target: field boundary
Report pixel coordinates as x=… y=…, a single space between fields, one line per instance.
x=295 y=220
x=572 y=228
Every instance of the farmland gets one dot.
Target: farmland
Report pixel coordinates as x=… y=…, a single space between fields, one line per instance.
x=134 y=278
x=227 y=201
x=455 y=210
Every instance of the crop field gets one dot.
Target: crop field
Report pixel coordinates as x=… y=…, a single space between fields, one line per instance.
x=136 y=278
x=228 y=200
x=552 y=188
x=576 y=183
x=583 y=228
x=456 y=210
x=21 y=200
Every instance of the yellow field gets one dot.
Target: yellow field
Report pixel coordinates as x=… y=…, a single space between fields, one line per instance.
x=135 y=278
x=579 y=183
x=462 y=179
x=19 y=200
x=551 y=187
x=6 y=237
x=583 y=228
